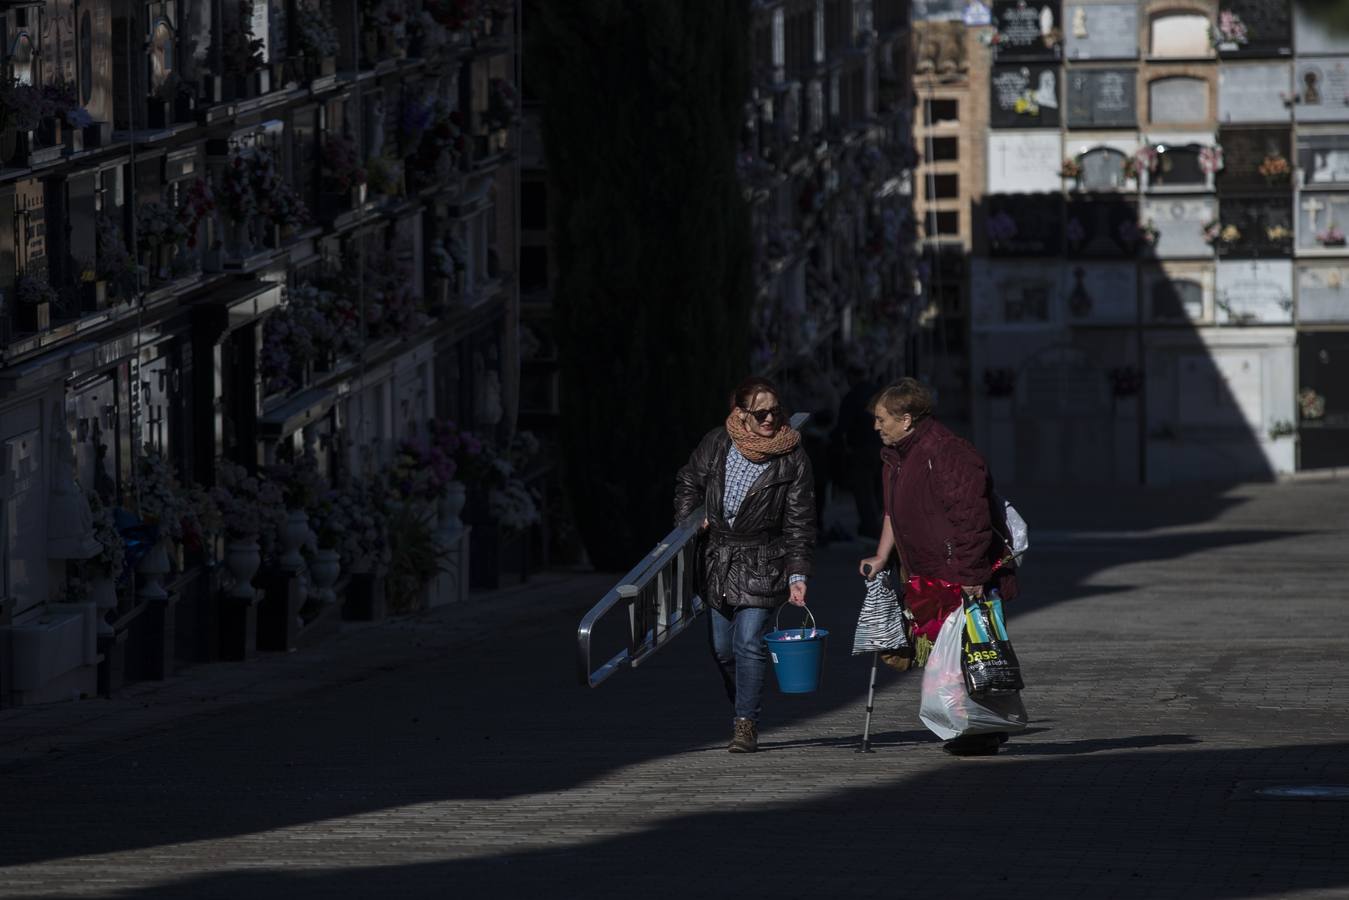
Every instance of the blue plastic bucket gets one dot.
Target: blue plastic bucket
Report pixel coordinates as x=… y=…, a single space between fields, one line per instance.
x=797 y=655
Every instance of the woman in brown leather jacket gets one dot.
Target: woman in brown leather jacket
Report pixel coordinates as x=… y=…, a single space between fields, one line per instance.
x=754 y=481
x=940 y=517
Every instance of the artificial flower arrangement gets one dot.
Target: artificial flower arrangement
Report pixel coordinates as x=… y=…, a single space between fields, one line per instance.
x=1275 y=168
x=1211 y=159
x=60 y=100
x=114 y=263
x=1144 y=159
x=250 y=506
x=393 y=307
x=1001 y=228
x=1071 y=168
x=501 y=103
x=185 y=514
x=1229 y=30
x=1332 y=236
x=33 y=288
x=385 y=175
x=350 y=520
x=22 y=106
x=158 y=225
x=315 y=34
x=1278 y=233
x=252 y=188
x=1217 y=233
x=343 y=162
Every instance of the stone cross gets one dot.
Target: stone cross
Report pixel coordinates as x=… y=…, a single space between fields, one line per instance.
x=1312 y=207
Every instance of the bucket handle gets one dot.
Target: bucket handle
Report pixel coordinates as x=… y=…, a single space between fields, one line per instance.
x=777 y=620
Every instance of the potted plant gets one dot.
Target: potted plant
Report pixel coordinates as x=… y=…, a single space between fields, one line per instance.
x=22 y=109
x=317 y=40
x=251 y=509
x=34 y=296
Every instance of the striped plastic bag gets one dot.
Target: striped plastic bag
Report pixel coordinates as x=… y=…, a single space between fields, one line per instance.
x=881 y=626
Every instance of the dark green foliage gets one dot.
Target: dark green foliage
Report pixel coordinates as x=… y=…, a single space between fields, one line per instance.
x=643 y=104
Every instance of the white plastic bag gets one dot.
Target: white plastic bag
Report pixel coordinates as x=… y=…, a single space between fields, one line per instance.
x=947 y=708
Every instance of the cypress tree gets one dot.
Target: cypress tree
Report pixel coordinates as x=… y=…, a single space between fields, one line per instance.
x=642 y=108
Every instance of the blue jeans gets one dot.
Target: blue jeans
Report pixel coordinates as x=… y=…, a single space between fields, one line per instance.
x=737 y=637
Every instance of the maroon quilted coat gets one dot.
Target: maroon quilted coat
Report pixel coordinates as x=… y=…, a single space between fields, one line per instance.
x=939 y=497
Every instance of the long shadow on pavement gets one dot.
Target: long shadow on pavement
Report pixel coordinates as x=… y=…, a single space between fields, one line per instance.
x=1150 y=822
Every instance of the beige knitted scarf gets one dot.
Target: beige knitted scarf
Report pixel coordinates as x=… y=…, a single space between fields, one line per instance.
x=756 y=448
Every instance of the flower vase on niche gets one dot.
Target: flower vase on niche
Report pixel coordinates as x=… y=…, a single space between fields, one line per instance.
x=323 y=572
x=243 y=557
x=293 y=533
x=451 y=505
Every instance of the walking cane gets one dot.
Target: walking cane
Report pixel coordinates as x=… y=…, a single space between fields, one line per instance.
x=871 y=696
x=871 y=691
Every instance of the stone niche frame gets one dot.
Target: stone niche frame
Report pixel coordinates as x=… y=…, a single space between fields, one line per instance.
x=1111 y=30
x=1314 y=212
x=1008 y=82
x=1166 y=295
x=1014 y=295
x=1253 y=92
x=1269 y=27
x=1244 y=149
x=1097 y=293
x=1322 y=290
x=1149 y=74
x=1038 y=219
x=1180 y=221
x=1081 y=91
x=1151 y=11
x=1253 y=217
x=1254 y=292
x=1024 y=161
x=1313 y=40
x=1188 y=142
x=1321 y=89
x=1323 y=159
x=1078 y=144
x=1021 y=30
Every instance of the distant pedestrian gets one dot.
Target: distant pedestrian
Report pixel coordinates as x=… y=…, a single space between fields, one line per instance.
x=754 y=480
x=941 y=517
x=857 y=449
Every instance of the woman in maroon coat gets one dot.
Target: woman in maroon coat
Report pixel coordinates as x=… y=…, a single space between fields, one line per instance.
x=941 y=517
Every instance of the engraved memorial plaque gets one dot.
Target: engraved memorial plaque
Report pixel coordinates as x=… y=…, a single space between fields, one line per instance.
x=1100 y=293
x=1101 y=31
x=1027 y=30
x=1324 y=159
x=1180 y=225
x=1024 y=96
x=1322 y=221
x=1244 y=151
x=1024 y=224
x=1102 y=98
x=1253 y=92
x=1322 y=88
x=1177 y=98
x=1323 y=292
x=1102 y=228
x=1254 y=292
x=1264 y=226
x=1024 y=163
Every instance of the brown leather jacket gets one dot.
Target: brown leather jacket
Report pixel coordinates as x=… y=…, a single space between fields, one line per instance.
x=773 y=537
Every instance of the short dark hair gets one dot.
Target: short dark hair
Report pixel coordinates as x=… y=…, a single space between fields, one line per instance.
x=908 y=395
x=747 y=390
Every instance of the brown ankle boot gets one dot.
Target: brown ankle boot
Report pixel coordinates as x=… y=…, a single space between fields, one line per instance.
x=745 y=738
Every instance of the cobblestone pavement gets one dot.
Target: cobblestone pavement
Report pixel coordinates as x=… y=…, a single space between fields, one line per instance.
x=1183 y=649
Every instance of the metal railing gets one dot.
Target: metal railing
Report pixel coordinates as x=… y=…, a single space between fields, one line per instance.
x=658 y=594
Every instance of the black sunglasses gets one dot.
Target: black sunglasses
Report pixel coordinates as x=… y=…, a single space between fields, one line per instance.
x=761 y=415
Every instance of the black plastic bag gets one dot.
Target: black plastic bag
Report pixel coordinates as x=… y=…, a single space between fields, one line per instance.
x=987 y=658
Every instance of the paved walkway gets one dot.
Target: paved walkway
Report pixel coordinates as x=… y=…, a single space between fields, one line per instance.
x=1183 y=650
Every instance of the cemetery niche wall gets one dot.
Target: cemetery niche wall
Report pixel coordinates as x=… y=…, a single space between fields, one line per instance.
x=214 y=225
